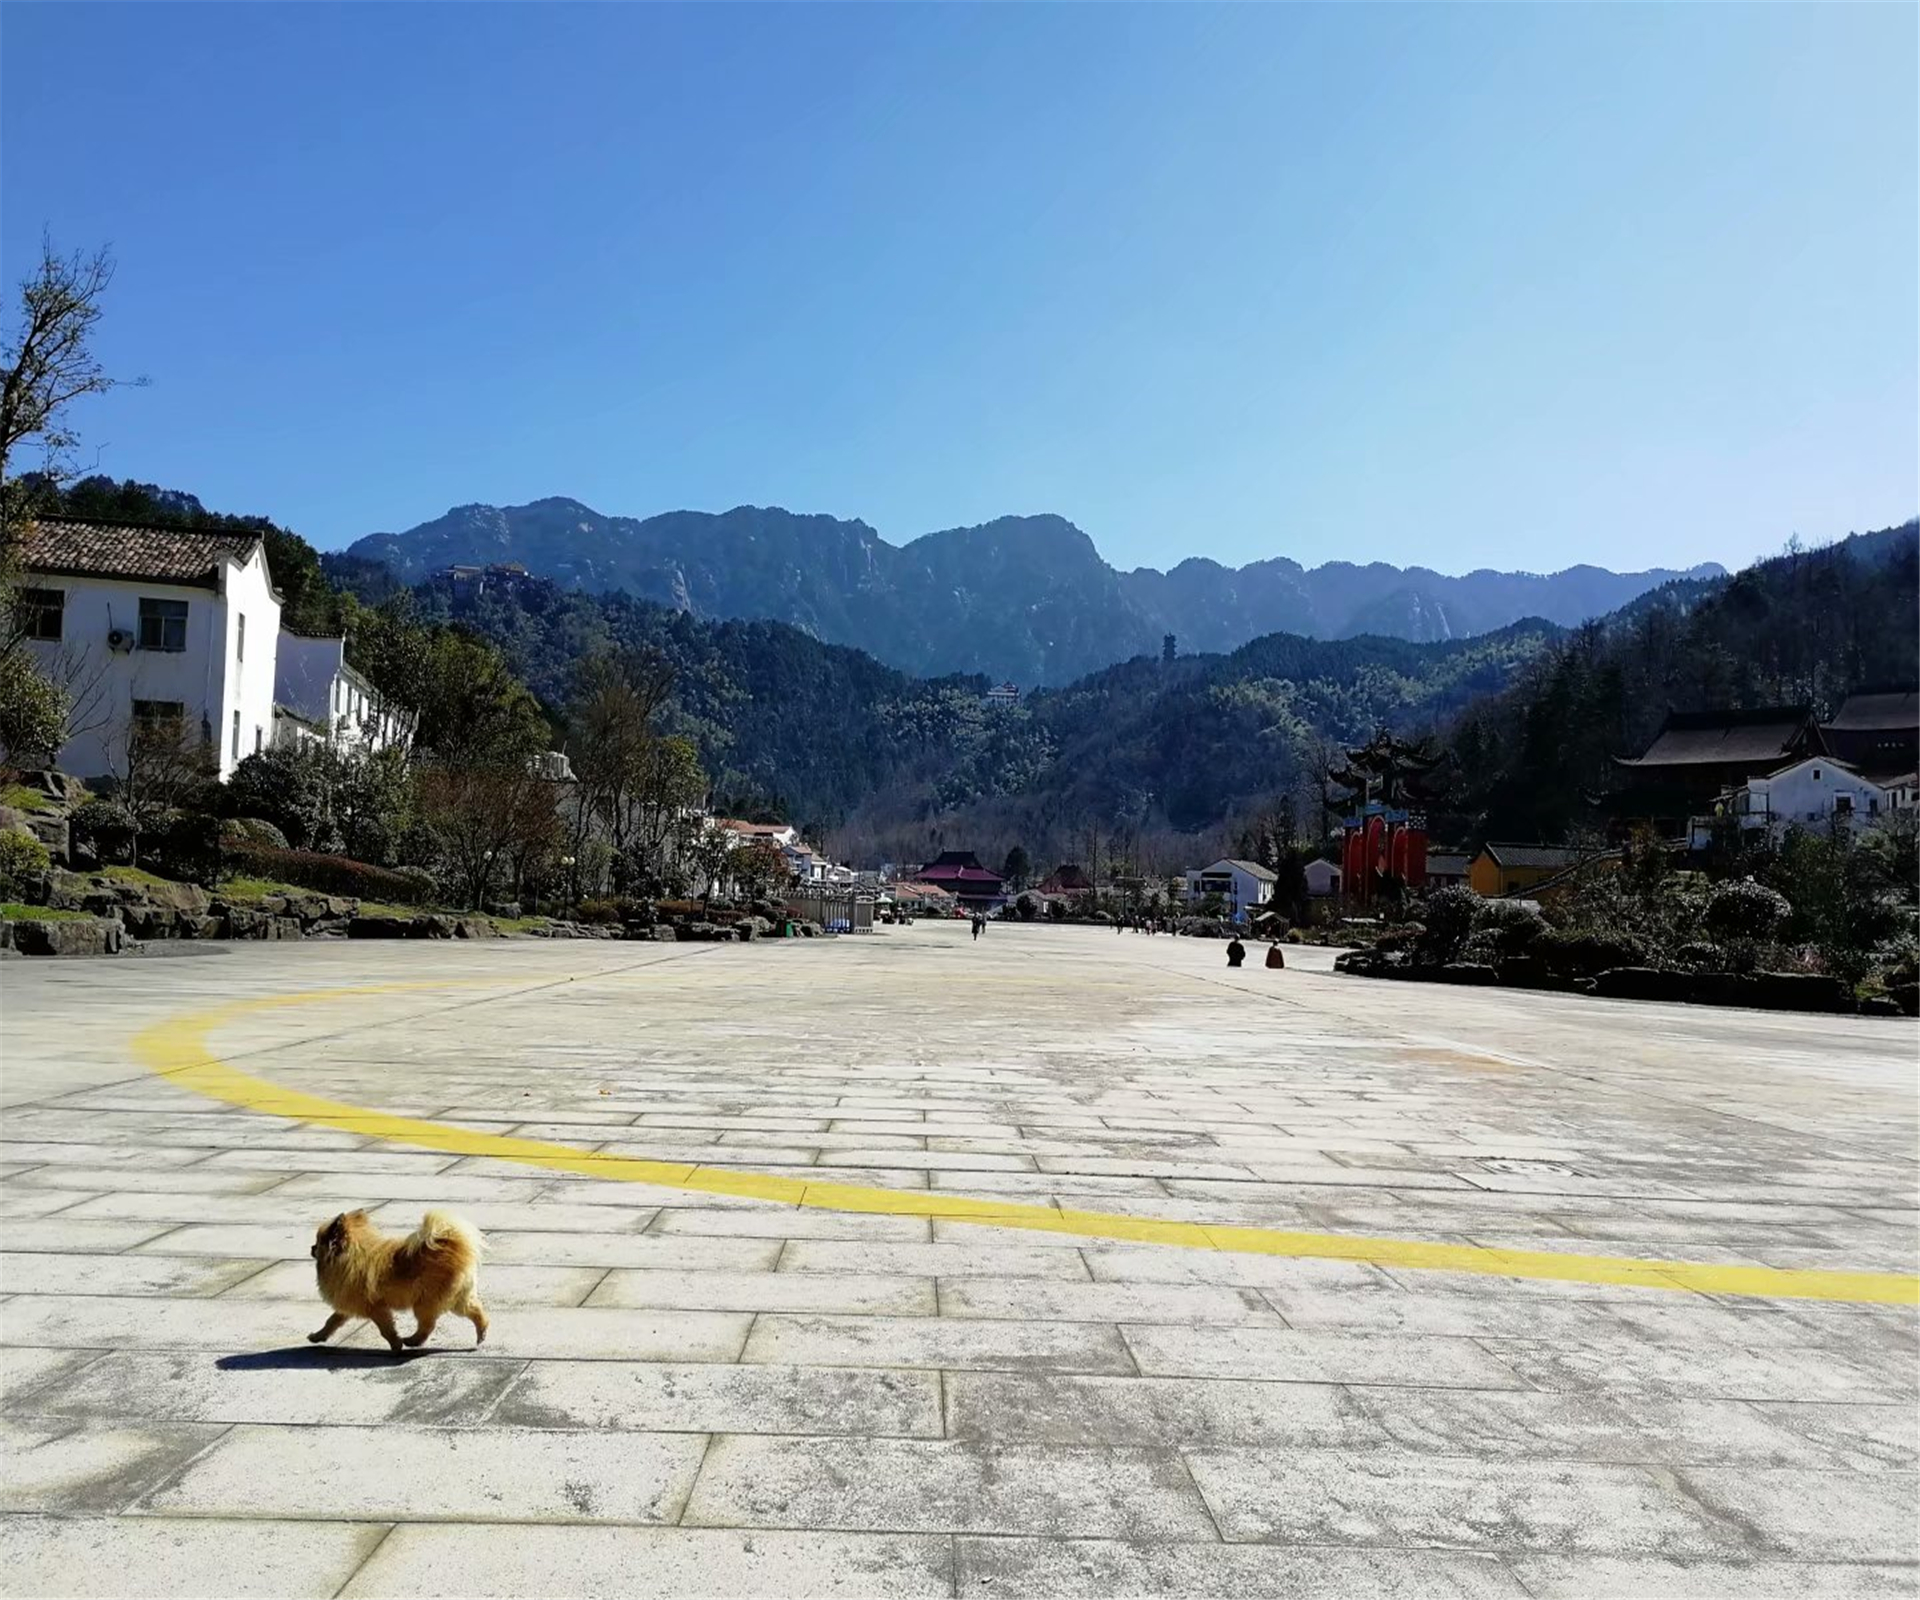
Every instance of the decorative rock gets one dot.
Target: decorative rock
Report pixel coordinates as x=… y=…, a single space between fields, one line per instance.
x=93 y=936
x=379 y=927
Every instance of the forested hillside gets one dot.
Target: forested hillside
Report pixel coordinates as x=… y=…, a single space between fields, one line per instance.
x=1805 y=628
x=894 y=764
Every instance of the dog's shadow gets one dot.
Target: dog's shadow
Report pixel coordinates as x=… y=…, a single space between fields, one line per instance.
x=318 y=1358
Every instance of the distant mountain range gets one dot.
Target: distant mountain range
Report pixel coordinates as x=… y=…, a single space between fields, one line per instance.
x=1026 y=598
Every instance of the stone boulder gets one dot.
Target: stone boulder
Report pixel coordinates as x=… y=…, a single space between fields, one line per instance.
x=380 y=926
x=89 y=936
x=1643 y=983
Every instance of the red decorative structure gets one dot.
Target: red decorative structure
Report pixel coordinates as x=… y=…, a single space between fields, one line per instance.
x=1385 y=848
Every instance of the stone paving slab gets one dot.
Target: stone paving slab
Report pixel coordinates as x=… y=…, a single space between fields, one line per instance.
x=620 y=1563
x=433 y=1473
x=103 y=1558
x=1096 y=1569
x=709 y=1393
x=945 y=1486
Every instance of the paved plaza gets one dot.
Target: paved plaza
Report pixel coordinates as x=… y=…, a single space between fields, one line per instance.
x=1060 y=1263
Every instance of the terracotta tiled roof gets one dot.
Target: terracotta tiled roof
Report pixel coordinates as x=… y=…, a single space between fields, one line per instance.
x=190 y=556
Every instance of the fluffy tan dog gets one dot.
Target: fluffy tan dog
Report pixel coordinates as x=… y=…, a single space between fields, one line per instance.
x=366 y=1273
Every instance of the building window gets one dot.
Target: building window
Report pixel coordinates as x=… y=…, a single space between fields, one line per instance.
x=150 y=713
x=240 y=639
x=236 y=736
x=1843 y=805
x=163 y=624
x=42 y=612
x=259 y=740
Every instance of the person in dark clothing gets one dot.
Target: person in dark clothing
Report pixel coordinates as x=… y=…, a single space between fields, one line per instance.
x=978 y=923
x=1236 y=953
x=1274 y=957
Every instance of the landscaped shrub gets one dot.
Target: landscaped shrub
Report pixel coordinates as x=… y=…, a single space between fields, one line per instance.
x=1747 y=911
x=597 y=911
x=1581 y=955
x=1701 y=956
x=1449 y=917
x=187 y=845
x=1482 y=947
x=21 y=857
x=103 y=826
x=309 y=869
x=287 y=786
x=238 y=832
x=425 y=885
x=1511 y=926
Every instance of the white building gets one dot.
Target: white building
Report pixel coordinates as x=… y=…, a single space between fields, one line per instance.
x=153 y=622
x=1003 y=696
x=1243 y=885
x=1323 y=879
x=317 y=697
x=1813 y=792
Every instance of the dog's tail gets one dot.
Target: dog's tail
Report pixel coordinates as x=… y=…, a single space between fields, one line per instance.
x=452 y=1240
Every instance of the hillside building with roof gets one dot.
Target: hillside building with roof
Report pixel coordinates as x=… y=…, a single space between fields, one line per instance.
x=1244 y=886
x=1816 y=792
x=1506 y=869
x=1877 y=733
x=153 y=623
x=960 y=874
x=318 y=698
x=1699 y=755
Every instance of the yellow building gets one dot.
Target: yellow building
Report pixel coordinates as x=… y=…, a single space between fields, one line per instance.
x=1510 y=868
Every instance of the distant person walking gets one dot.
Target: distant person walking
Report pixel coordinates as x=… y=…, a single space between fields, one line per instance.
x=1274 y=957
x=978 y=923
x=1236 y=953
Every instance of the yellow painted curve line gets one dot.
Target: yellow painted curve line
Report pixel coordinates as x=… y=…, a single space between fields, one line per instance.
x=180 y=1050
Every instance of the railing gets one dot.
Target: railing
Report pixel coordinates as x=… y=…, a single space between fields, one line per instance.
x=839 y=911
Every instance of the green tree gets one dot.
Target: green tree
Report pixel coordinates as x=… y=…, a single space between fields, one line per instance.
x=1017 y=869
x=33 y=712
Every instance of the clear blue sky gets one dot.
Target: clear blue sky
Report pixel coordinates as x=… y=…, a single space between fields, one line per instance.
x=1501 y=286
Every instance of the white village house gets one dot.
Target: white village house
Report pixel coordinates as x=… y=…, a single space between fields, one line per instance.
x=183 y=623
x=1243 y=885
x=153 y=622
x=318 y=697
x=1813 y=792
x=1323 y=879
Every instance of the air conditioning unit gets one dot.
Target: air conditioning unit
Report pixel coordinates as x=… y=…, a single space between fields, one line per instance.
x=120 y=640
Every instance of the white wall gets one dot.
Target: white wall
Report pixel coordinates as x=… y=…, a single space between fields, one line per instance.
x=248 y=685
x=1244 y=890
x=1805 y=795
x=207 y=678
x=313 y=678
